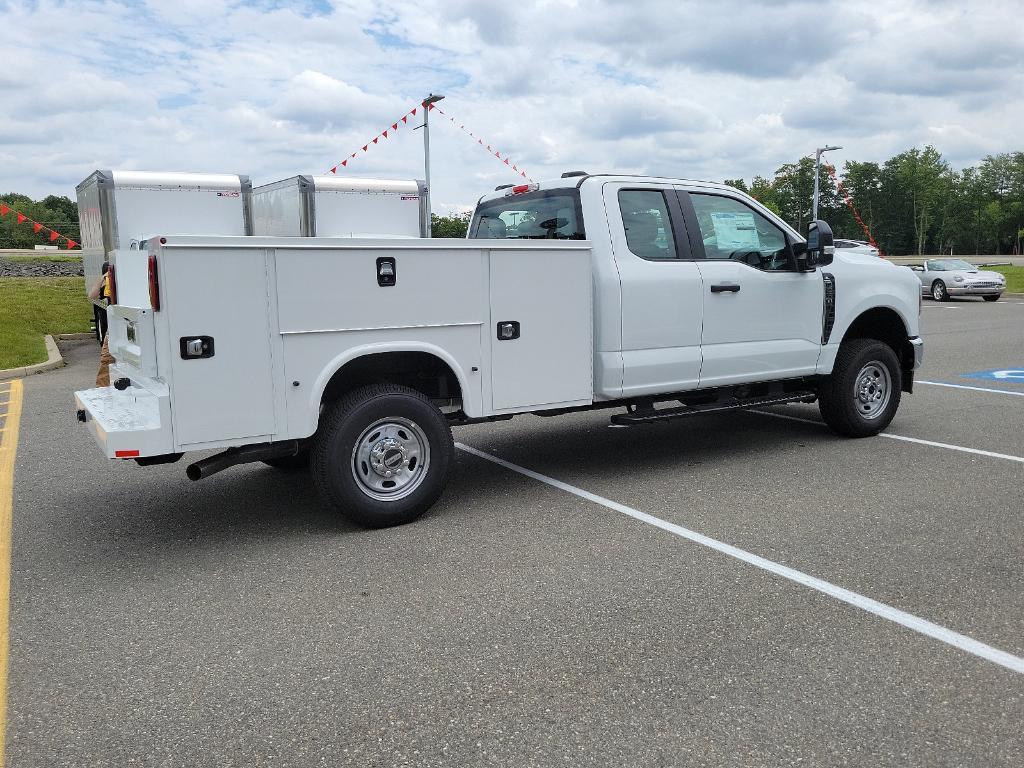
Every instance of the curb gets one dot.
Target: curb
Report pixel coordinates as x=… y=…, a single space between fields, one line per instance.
x=53 y=360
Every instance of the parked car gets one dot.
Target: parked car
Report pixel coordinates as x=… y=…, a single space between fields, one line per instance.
x=857 y=246
x=942 y=278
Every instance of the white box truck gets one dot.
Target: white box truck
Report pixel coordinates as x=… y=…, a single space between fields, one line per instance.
x=116 y=209
x=333 y=206
x=654 y=298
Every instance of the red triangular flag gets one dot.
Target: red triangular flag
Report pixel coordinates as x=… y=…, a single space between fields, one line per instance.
x=480 y=142
x=21 y=218
x=385 y=134
x=71 y=244
x=394 y=126
x=405 y=119
x=375 y=139
x=523 y=174
x=497 y=154
x=53 y=235
x=365 y=146
x=334 y=169
x=431 y=106
x=413 y=113
x=344 y=162
x=515 y=169
x=36 y=226
x=506 y=161
x=3 y=209
x=353 y=154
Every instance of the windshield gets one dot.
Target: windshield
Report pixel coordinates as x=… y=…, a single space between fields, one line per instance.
x=951 y=264
x=533 y=216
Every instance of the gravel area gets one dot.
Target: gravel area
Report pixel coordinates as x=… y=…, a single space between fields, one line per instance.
x=40 y=268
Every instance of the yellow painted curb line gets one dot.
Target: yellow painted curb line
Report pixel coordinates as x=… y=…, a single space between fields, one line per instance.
x=8 y=450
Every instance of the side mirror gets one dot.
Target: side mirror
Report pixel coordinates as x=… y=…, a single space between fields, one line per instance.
x=819 y=249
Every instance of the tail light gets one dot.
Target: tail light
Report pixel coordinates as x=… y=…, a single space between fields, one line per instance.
x=154 y=283
x=111 y=285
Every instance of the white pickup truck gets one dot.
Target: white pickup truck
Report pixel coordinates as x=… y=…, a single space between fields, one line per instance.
x=659 y=298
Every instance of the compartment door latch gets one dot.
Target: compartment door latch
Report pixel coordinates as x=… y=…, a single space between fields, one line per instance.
x=508 y=330
x=196 y=347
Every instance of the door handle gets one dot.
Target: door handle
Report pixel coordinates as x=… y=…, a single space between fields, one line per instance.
x=725 y=288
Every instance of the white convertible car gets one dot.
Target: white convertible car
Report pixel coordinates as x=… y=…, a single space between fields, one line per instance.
x=942 y=278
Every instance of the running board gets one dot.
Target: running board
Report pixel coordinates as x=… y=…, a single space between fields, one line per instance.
x=647 y=415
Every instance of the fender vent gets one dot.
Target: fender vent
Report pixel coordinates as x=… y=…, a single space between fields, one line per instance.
x=828 y=315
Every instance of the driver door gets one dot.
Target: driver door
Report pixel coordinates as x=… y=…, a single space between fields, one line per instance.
x=762 y=317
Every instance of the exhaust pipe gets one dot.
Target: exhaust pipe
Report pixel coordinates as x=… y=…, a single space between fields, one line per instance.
x=243 y=455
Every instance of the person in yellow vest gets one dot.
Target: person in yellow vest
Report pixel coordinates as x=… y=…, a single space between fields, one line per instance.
x=101 y=290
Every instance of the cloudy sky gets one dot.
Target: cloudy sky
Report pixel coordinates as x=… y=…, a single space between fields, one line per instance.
x=706 y=90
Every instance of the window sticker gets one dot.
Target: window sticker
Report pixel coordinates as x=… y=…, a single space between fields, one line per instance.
x=735 y=231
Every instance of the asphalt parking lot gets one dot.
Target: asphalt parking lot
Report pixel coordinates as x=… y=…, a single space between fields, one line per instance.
x=235 y=621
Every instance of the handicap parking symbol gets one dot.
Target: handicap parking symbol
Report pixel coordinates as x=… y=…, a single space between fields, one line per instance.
x=1010 y=375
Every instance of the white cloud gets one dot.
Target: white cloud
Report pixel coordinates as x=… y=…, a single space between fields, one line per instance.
x=669 y=87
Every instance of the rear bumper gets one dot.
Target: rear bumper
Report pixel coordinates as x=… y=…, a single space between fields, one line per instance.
x=127 y=424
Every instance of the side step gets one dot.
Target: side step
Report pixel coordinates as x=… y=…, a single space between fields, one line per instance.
x=647 y=415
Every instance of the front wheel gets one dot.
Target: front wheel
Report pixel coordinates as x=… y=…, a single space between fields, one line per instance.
x=939 y=292
x=991 y=298
x=382 y=455
x=861 y=396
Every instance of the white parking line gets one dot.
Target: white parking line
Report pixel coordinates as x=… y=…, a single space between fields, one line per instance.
x=904 y=619
x=964 y=386
x=948 y=446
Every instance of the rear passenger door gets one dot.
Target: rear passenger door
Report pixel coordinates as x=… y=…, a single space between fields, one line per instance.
x=660 y=289
x=762 y=318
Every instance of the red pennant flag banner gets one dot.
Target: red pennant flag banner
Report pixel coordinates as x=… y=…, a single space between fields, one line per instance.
x=488 y=147
x=853 y=209
x=383 y=134
x=37 y=227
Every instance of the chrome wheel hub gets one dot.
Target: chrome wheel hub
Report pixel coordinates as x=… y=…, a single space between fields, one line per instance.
x=872 y=389
x=390 y=459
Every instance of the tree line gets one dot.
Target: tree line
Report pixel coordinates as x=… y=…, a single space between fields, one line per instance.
x=913 y=203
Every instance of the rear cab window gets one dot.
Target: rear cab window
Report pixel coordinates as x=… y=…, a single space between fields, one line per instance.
x=541 y=215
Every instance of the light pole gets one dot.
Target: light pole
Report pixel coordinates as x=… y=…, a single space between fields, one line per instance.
x=431 y=99
x=817 y=163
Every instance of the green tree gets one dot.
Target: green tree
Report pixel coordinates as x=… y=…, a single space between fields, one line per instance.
x=449 y=226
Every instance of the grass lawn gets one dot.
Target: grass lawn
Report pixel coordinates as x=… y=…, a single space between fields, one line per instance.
x=1014 y=278
x=33 y=306
x=42 y=256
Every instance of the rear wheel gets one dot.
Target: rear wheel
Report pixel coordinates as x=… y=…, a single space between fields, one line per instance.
x=939 y=292
x=861 y=396
x=991 y=298
x=382 y=455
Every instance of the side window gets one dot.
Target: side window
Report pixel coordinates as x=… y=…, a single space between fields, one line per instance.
x=646 y=220
x=732 y=231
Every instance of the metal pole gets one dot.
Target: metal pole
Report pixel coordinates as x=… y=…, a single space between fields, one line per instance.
x=426 y=163
x=428 y=102
x=817 y=164
x=814 y=205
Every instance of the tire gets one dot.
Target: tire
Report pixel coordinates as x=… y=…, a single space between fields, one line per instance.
x=990 y=298
x=294 y=463
x=939 y=292
x=861 y=396
x=370 y=433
